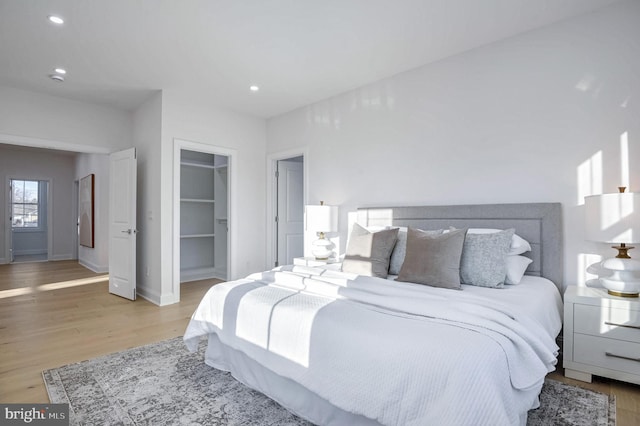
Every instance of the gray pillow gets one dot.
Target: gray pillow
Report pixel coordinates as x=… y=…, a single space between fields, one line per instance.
x=433 y=260
x=400 y=250
x=368 y=253
x=483 y=261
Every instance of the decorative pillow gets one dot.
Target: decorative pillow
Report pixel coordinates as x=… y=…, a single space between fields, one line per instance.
x=400 y=250
x=368 y=253
x=433 y=260
x=516 y=267
x=518 y=244
x=483 y=261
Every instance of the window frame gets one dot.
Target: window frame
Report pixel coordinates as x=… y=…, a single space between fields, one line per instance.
x=41 y=227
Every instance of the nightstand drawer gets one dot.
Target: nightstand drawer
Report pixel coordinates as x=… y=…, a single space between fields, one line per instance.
x=612 y=323
x=607 y=353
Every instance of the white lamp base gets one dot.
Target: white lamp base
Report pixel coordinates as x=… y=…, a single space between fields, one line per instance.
x=322 y=249
x=624 y=277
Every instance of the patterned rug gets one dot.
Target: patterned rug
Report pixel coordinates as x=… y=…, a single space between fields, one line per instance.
x=164 y=384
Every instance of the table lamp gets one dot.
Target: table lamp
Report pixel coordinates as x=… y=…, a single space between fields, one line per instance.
x=321 y=219
x=615 y=218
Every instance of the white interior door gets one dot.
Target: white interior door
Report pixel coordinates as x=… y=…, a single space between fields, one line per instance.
x=122 y=223
x=290 y=214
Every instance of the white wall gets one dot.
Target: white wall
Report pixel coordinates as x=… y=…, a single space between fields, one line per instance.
x=536 y=118
x=55 y=166
x=173 y=115
x=96 y=258
x=147 y=128
x=72 y=125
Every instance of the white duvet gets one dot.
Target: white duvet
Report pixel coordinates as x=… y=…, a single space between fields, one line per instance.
x=397 y=353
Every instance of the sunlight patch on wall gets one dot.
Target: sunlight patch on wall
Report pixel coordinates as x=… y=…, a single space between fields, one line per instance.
x=377 y=217
x=373 y=97
x=625 y=103
x=324 y=115
x=588 y=267
x=590 y=177
x=586 y=83
x=624 y=159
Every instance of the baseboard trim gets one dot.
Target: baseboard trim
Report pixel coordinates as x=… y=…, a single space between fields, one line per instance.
x=98 y=269
x=61 y=257
x=151 y=296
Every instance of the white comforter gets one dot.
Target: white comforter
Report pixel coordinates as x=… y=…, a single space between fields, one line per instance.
x=398 y=353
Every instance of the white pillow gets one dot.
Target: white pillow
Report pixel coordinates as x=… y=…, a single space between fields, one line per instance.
x=518 y=244
x=516 y=266
x=368 y=253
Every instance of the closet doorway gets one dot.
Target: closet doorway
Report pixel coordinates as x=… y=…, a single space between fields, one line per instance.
x=29 y=217
x=204 y=215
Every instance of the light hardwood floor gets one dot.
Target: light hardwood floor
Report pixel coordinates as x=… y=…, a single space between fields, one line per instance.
x=57 y=313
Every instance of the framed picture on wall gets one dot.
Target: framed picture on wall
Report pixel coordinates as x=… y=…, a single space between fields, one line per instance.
x=85 y=210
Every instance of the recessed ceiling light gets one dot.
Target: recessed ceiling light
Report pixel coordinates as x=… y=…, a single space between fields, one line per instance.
x=254 y=88
x=60 y=70
x=56 y=77
x=56 y=19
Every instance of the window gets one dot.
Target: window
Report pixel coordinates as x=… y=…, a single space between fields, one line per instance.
x=25 y=203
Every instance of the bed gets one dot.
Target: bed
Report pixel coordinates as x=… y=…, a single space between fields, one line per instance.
x=340 y=348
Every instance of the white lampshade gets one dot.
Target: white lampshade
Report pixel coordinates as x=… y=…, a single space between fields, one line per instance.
x=321 y=218
x=613 y=218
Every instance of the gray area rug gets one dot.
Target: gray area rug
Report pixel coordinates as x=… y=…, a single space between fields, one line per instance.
x=164 y=384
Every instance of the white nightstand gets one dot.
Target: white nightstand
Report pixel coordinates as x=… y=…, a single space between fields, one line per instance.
x=312 y=261
x=601 y=335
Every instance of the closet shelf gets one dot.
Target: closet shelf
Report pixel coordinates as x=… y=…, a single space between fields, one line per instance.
x=196 y=200
x=203 y=165
x=198 y=236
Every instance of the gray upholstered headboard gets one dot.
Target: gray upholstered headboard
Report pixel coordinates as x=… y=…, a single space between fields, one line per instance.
x=538 y=223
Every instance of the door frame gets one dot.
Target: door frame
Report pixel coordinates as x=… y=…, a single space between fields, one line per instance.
x=9 y=234
x=272 y=197
x=76 y=216
x=231 y=154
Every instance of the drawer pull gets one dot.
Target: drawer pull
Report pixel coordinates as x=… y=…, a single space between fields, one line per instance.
x=637 y=327
x=622 y=357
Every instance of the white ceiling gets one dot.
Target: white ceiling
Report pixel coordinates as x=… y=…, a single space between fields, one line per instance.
x=117 y=52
